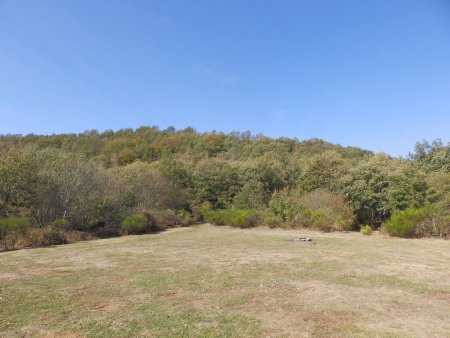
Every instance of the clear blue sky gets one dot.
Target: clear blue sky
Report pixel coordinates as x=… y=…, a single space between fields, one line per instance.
x=373 y=74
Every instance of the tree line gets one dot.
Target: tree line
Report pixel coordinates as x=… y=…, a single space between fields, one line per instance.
x=136 y=181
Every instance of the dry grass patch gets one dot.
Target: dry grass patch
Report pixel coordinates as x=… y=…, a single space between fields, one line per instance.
x=220 y=282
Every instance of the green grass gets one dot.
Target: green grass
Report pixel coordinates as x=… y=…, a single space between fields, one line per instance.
x=210 y=281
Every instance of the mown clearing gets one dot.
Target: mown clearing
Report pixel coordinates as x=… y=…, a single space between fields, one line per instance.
x=207 y=281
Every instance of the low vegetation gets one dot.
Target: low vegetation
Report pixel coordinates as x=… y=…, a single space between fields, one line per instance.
x=418 y=222
x=234 y=217
x=12 y=230
x=366 y=230
x=319 y=209
x=136 y=225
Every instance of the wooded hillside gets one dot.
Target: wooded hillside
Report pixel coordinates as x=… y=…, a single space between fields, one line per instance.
x=145 y=179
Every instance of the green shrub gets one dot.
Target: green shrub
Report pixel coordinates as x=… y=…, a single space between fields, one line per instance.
x=322 y=219
x=428 y=221
x=153 y=221
x=234 y=217
x=366 y=230
x=12 y=230
x=284 y=205
x=185 y=216
x=135 y=225
x=272 y=220
x=212 y=216
x=253 y=195
x=61 y=224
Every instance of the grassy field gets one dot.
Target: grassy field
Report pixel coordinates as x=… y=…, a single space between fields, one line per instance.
x=210 y=281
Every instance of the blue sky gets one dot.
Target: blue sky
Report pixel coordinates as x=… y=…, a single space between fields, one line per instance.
x=373 y=74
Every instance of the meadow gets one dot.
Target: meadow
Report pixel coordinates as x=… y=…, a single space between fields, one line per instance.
x=217 y=281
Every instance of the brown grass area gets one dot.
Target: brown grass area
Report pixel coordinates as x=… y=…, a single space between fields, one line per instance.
x=210 y=281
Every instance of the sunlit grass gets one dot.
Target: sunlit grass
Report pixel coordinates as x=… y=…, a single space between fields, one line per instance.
x=222 y=282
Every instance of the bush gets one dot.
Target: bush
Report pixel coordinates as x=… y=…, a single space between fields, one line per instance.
x=428 y=221
x=61 y=224
x=253 y=195
x=107 y=231
x=161 y=220
x=329 y=211
x=153 y=221
x=319 y=209
x=402 y=223
x=366 y=230
x=322 y=219
x=185 y=216
x=12 y=230
x=135 y=225
x=272 y=220
x=284 y=205
x=233 y=217
x=74 y=236
x=46 y=236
